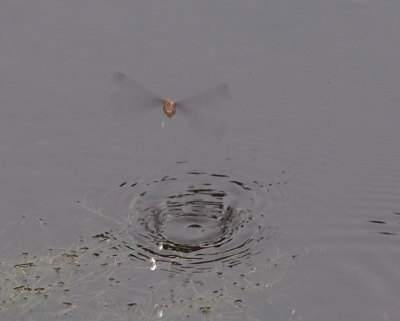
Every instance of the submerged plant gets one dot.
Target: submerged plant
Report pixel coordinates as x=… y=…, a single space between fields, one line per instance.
x=97 y=280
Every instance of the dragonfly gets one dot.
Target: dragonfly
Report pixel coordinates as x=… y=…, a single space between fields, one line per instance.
x=130 y=98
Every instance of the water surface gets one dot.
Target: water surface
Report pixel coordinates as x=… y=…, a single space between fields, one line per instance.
x=292 y=215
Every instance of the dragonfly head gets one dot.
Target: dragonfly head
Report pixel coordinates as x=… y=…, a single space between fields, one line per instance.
x=169 y=108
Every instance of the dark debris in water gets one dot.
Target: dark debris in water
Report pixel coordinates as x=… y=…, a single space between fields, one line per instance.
x=96 y=280
x=148 y=268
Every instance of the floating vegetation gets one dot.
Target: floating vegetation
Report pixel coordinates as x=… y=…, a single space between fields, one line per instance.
x=180 y=245
x=97 y=280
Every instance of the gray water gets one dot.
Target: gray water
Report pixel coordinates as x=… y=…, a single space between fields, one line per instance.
x=293 y=214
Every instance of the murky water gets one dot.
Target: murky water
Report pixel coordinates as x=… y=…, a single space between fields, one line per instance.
x=182 y=243
x=292 y=213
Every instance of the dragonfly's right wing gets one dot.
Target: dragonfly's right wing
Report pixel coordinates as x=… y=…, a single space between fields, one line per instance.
x=201 y=108
x=204 y=124
x=131 y=98
x=210 y=99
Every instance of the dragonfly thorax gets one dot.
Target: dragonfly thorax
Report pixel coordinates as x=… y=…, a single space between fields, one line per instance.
x=169 y=107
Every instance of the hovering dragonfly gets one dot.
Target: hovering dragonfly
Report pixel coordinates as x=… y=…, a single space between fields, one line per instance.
x=130 y=97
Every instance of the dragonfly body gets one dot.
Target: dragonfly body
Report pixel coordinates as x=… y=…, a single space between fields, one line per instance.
x=131 y=98
x=169 y=108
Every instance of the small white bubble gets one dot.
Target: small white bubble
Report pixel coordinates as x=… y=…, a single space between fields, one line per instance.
x=159 y=310
x=153 y=264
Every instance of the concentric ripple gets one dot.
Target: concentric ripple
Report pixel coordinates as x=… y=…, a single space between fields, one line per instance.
x=183 y=219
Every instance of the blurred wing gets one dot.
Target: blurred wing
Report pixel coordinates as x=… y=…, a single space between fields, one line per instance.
x=204 y=124
x=197 y=109
x=129 y=97
x=209 y=99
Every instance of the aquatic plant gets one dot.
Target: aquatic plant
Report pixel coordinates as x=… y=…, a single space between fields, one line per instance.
x=97 y=280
